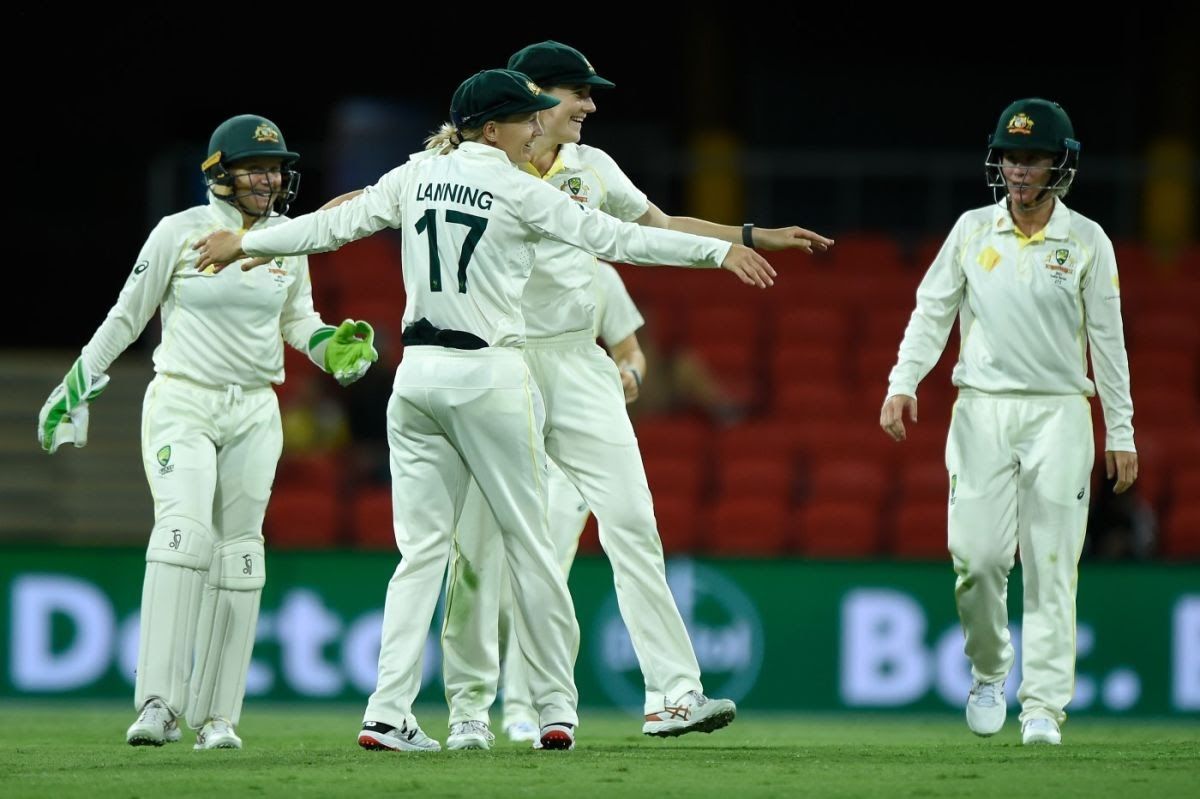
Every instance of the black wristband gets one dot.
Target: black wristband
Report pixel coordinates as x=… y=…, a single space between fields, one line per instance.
x=637 y=377
x=748 y=234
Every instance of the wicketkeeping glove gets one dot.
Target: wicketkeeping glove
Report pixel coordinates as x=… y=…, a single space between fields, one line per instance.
x=346 y=352
x=64 y=416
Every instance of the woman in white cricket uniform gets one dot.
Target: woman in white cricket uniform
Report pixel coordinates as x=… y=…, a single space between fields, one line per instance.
x=617 y=320
x=211 y=435
x=464 y=404
x=1032 y=283
x=588 y=432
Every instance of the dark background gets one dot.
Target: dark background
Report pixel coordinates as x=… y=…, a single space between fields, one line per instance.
x=95 y=103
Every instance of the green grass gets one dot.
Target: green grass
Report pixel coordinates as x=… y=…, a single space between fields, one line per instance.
x=52 y=750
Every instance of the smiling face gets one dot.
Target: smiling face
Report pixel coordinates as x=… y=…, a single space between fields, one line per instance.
x=564 y=123
x=514 y=135
x=257 y=184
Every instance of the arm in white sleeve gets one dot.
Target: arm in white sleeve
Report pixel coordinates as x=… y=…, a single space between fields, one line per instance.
x=554 y=215
x=939 y=298
x=1110 y=363
x=622 y=199
x=617 y=318
x=376 y=208
x=299 y=319
x=139 y=299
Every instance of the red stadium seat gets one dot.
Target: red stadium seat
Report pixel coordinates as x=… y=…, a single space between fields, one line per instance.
x=1181 y=532
x=885 y=328
x=371 y=514
x=1185 y=484
x=1172 y=331
x=301 y=518
x=812 y=326
x=920 y=532
x=924 y=482
x=737 y=368
x=807 y=362
x=713 y=324
x=839 y=529
x=768 y=438
x=803 y=401
x=750 y=527
x=675 y=476
x=864 y=254
x=849 y=479
x=770 y=479
x=316 y=472
x=678 y=524
x=673 y=435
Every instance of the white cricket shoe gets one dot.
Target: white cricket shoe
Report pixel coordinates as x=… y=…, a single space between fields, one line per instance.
x=156 y=725
x=556 y=736
x=1040 y=731
x=378 y=735
x=470 y=735
x=692 y=712
x=217 y=733
x=986 y=708
x=522 y=731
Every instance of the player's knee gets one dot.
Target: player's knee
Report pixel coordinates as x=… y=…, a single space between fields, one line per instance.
x=238 y=566
x=180 y=541
x=975 y=562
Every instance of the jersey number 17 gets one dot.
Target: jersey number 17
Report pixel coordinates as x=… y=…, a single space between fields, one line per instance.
x=475 y=226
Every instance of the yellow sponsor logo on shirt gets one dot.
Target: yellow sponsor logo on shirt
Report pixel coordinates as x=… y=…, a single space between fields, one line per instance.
x=988 y=259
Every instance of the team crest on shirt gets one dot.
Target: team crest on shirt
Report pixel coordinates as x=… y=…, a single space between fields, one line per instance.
x=1022 y=124
x=1061 y=266
x=578 y=190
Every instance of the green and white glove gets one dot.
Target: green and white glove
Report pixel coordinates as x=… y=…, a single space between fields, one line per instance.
x=64 y=416
x=346 y=352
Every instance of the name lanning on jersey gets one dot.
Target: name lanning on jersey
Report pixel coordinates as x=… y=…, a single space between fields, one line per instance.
x=455 y=193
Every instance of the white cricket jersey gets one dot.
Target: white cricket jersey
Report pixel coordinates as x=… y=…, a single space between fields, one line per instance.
x=617 y=318
x=559 y=298
x=218 y=329
x=470 y=221
x=1027 y=309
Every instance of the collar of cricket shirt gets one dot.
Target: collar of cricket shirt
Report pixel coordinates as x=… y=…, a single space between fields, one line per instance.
x=1058 y=228
x=567 y=158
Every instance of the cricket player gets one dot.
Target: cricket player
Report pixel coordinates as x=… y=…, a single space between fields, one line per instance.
x=464 y=402
x=616 y=322
x=1033 y=284
x=211 y=434
x=588 y=432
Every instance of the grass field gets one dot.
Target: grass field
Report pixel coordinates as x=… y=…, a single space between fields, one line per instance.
x=51 y=750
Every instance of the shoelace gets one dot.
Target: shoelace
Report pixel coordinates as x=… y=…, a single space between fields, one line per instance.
x=477 y=727
x=987 y=695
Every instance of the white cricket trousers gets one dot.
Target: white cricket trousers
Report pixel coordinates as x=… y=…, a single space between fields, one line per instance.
x=475 y=659
x=1020 y=469
x=589 y=435
x=454 y=415
x=210 y=456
